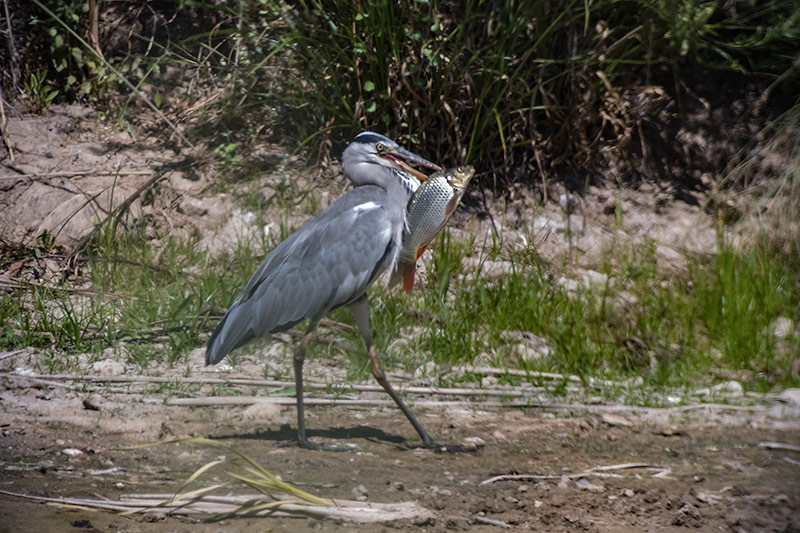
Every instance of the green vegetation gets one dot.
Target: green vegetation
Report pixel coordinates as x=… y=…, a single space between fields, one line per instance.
x=157 y=305
x=526 y=90
x=40 y=94
x=668 y=329
x=671 y=329
x=548 y=85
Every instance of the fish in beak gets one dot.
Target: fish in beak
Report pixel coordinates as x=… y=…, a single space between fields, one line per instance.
x=428 y=210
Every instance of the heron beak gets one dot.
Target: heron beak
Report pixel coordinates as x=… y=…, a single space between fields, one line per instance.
x=401 y=157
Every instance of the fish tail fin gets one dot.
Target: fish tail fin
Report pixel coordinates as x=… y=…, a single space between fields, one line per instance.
x=408 y=276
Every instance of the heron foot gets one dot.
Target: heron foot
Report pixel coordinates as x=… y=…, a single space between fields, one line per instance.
x=429 y=443
x=308 y=445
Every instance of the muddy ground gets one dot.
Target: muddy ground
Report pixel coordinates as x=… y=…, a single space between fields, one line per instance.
x=711 y=470
x=715 y=477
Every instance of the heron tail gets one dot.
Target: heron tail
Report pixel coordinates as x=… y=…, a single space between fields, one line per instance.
x=228 y=336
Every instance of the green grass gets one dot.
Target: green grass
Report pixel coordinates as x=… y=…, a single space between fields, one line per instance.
x=671 y=329
x=500 y=86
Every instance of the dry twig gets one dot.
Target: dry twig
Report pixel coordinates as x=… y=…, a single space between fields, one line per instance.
x=74 y=173
x=4 y=128
x=779 y=446
x=490 y=521
x=484 y=370
x=445 y=391
x=597 y=471
x=212 y=401
x=525 y=397
x=12 y=353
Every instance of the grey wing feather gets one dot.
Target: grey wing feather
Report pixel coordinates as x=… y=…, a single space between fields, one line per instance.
x=327 y=263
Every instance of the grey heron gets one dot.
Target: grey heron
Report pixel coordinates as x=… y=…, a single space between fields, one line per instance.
x=330 y=262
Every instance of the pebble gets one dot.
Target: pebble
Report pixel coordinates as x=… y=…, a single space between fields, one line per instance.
x=585 y=484
x=790 y=396
x=782 y=327
x=359 y=492
x=671 y=431
x=731 y=387
x=71 y=452
x=397 y=486
x=473 y=443
x=616 y=420
x=107 y=367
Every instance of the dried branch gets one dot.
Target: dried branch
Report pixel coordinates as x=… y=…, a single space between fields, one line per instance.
x=136 y=91
x=597 y=471
x=216 y=401
x=779 y=446
x=73 y=173
x=445 y=391
x=12 y=353
x=525 y=397
x=4 y=124
x=490 y=521
x=484 y=370
x=13 y=55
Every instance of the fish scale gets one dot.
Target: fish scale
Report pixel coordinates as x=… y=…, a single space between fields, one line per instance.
x=428 y=210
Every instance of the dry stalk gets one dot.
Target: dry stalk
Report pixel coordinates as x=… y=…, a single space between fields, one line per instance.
x=74 y=173
x=523 y=397
x=527 y=402
x=216 y=401
x=345 y=510
x=779 y=446
x=444 y=391
x=483 y=370
x=597 y=471
x=4 y=128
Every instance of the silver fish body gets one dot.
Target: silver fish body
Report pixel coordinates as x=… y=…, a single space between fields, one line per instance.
x=428 y=210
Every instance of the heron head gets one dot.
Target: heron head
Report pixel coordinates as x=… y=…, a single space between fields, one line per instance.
x=369 y=148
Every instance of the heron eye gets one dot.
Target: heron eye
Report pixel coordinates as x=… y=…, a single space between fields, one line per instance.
x=380 y=147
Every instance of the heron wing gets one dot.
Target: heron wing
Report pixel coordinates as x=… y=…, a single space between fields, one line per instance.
x=328 y=262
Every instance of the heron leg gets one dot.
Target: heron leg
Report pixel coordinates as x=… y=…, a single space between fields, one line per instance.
x=380 y=376
x=360 y=311
x=299 y=358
